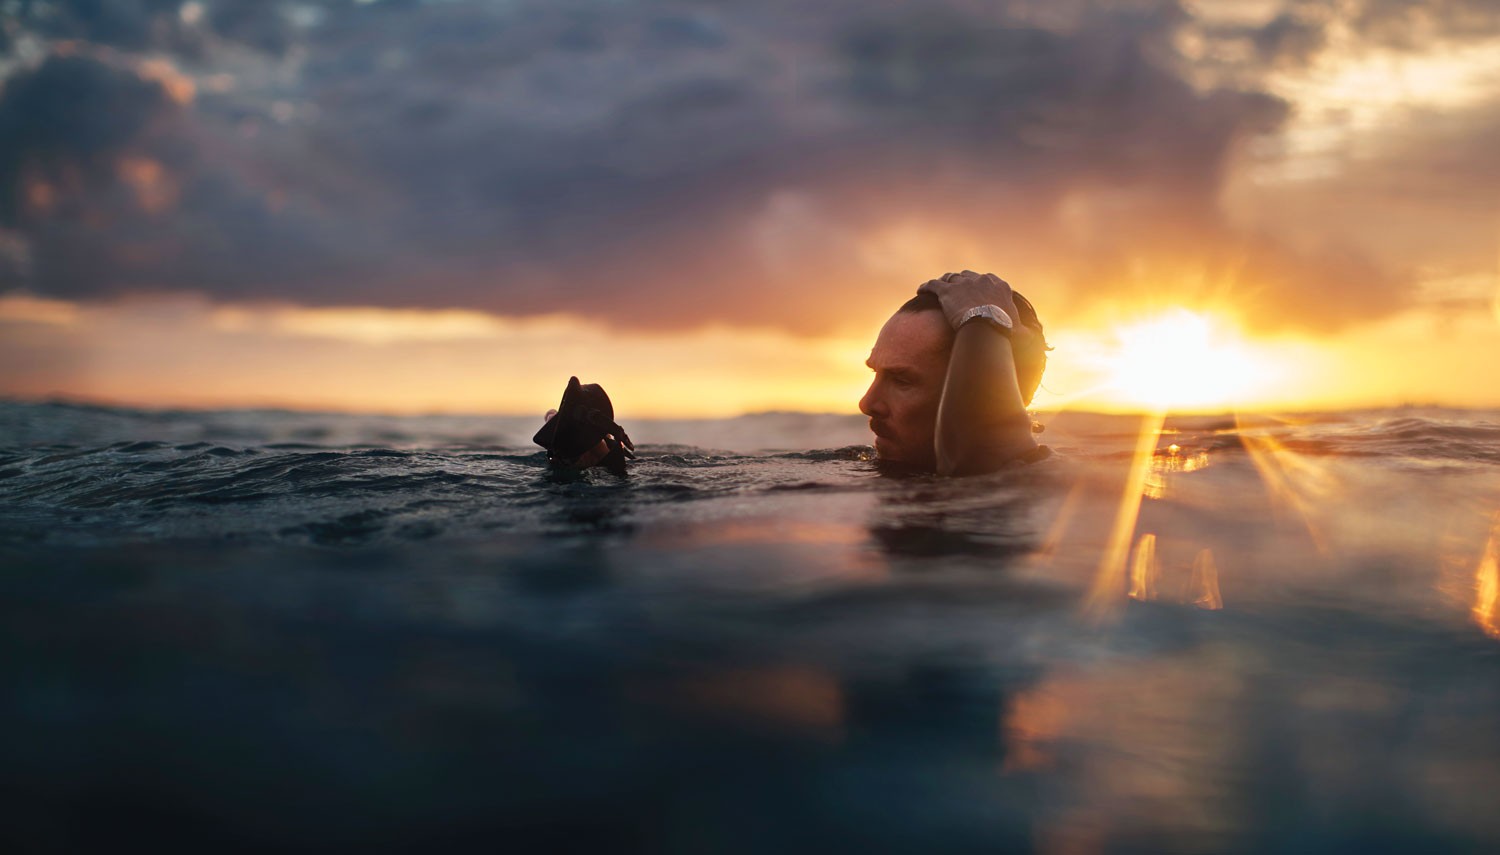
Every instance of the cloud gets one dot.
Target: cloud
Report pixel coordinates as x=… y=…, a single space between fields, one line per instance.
x=188 y=28
x=61 y=126
x=1289 y=39
x=655 y=165
x=123 y=23
x=1414 y=24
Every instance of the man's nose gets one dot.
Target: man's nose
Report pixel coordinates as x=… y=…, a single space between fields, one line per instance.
x=870 y=404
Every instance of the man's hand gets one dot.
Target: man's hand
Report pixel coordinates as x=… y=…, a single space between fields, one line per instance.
x=588 y=458
x=960 y=292
x=981 y=421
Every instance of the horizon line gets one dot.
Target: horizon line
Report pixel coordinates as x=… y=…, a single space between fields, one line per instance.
x=82 y=401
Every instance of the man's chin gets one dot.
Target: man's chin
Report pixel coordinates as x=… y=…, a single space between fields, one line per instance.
x=890 y=451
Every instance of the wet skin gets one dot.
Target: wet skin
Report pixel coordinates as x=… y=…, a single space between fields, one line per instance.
x=946 y=402
x=910 y=361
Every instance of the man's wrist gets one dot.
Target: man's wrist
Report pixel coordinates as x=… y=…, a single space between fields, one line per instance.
x=989 y=313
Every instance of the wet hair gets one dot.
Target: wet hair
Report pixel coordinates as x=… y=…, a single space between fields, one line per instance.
x=1030 y=361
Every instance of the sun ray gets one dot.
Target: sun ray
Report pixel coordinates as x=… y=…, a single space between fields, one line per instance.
x=1061 y=522
x=1293 y=480
x=1108 y=589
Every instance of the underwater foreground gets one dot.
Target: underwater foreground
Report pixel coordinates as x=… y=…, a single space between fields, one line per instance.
x=236 y=631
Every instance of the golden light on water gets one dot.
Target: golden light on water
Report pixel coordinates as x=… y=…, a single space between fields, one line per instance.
x=1177 y=359
x=1203 y=584
x=1294 y=481
x=1105 y=594
x=1487 y=585
x=1144 y=569
x=804 y=699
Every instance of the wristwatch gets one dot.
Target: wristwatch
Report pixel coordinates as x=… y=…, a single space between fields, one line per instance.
x=990 y=312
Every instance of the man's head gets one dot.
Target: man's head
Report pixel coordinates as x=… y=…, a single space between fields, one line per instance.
x=910 y=361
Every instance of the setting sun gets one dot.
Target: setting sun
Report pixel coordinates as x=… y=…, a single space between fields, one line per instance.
x=1180 y=359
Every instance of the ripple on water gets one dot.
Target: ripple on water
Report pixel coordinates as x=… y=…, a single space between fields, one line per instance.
x=397 y=640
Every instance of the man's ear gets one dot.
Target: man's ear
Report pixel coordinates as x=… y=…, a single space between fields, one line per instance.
x=1031 y=363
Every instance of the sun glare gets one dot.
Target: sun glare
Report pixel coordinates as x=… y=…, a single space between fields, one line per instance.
x=1180 y=359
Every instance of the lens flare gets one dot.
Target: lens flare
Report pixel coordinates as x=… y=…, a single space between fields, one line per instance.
x=1106 y=593
x=1144 y=569
x=1203 y=584
x=1295 y=481
x=1487 y=585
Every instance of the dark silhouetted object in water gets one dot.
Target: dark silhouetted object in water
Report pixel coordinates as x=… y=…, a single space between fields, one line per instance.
x=585 y=421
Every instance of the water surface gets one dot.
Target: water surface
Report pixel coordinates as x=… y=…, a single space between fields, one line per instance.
x=315 y=632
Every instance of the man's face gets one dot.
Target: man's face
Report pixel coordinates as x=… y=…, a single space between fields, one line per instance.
x=910 y=361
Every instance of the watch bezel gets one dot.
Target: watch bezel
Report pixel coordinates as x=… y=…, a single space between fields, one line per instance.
x=992 y=313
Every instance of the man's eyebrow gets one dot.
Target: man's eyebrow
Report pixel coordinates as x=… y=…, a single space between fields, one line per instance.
x=897 y=370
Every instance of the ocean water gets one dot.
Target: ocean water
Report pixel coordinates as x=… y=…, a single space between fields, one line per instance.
x=299 y=632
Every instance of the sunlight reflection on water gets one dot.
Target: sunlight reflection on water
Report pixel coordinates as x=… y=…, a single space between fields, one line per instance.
x=729 y=651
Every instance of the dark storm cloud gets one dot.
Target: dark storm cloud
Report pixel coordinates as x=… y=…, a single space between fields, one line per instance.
x=1092 y=105
x=1289 y=39
x=660 y=164
x=256 y=23
x=103 y=174
x=162 y=24
x=63 y=124
x=123 y=23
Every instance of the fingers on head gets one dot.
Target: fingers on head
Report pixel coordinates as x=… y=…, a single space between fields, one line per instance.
x=967 y=274
x=987 y=278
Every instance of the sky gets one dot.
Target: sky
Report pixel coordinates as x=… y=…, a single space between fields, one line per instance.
x=710 y=207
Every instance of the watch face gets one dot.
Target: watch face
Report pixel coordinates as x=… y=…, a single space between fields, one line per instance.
x=996 y=314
